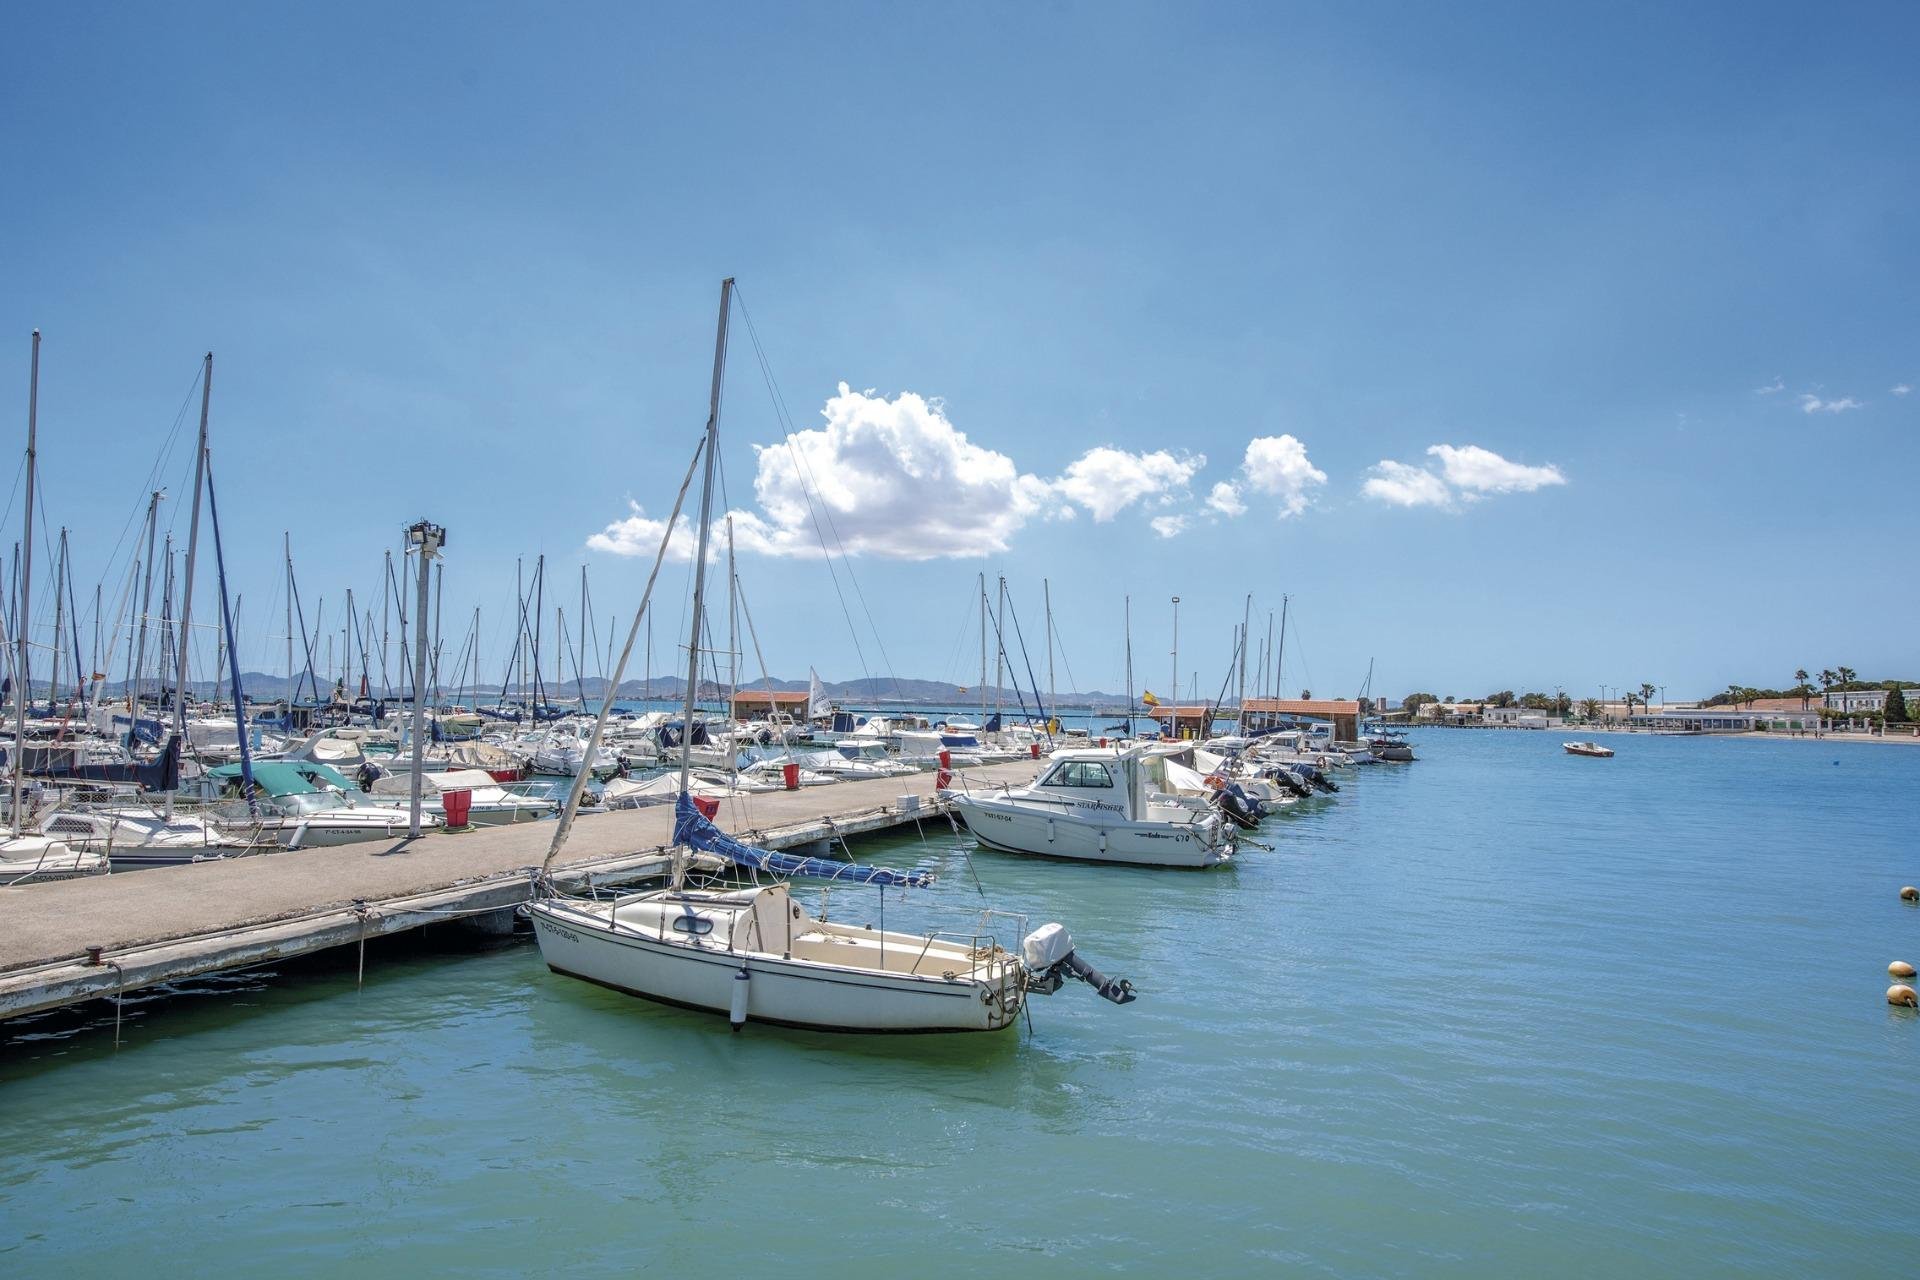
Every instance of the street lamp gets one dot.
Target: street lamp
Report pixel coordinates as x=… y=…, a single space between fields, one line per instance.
x=426 y=538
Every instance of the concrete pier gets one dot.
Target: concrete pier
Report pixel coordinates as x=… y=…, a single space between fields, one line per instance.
x=168 y=923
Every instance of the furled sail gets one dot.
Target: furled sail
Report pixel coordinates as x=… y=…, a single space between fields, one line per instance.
x=691 y=828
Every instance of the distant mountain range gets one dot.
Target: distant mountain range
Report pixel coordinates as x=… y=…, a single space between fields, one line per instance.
x=261 y=686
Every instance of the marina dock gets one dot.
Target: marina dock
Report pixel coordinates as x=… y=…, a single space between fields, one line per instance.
x=167 y=924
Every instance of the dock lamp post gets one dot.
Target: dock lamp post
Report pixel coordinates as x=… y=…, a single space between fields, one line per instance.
x=1173 y=694
x=426 y=538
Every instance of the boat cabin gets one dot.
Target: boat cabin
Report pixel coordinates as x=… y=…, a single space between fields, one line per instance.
x=1128 y=782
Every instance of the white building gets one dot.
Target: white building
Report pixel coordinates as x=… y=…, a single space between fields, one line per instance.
x=1514 y=717
x=1874 y=700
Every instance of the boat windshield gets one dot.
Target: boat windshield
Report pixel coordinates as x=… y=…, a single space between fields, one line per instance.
x=311 y=803
x=1078 y=773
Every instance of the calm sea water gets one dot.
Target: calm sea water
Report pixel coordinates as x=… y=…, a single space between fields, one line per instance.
x=1500 y=1011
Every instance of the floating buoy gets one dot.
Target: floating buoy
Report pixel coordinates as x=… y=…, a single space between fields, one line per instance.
x=1902 y=994
x=737 y=1011
x=1909 y=894
x=1899 y=969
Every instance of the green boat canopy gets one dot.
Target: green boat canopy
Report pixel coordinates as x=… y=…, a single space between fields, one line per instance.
x=285 y=777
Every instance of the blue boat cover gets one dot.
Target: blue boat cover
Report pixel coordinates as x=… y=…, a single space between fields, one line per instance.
x=691 y=828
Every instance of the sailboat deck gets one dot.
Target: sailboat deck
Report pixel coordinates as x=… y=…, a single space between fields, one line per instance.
x=168 y=923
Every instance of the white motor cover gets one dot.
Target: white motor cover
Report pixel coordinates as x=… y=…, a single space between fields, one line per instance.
x=1047 y=946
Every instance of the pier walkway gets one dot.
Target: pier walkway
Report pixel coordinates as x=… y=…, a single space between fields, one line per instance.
x=168 y=923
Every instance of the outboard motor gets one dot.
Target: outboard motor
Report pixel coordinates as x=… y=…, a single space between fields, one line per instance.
x=1296 y=785
x=1238 y=805
x=1051 y=959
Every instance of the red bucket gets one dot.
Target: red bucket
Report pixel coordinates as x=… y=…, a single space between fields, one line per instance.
x=1034 y=748
x=1103 y=742
x=709 y=806
x=458 y=804
x=790 y=774
x=946 y=758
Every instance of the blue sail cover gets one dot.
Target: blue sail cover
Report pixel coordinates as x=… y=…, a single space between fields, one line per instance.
x=691 y=828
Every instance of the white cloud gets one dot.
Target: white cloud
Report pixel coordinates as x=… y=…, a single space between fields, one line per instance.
x=1467 y=473
x=639 y=535
x=1225 y=499
x=1278 y=466
x=1406 y=486
x=1480 y=471
x=1169 y=526
x=1106 y=481
x=895 y=478
x=1900 y=389
x=1814 y=404
x=1773 y=388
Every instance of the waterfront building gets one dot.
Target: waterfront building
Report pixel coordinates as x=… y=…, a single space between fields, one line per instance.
x=1271 y=713
x=763 y=704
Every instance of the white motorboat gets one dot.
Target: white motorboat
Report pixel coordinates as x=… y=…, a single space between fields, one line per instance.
x=489 y=804
x=301 y=805
x=32 y=859
x=132 y=835
x=1099 y=805
x=1587 y=749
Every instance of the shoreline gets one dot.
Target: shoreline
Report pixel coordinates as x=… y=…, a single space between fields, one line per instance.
x=1898 y=740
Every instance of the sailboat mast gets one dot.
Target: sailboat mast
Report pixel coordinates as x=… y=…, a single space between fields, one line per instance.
x=700 y=553
x=1280 y=655
x=983 y=650
x=286 y=545
x=1000 y=646
x=1127 y=627
x=1246 y=626
x=59 y=618
x=193 y=550
x=20 y=614
x=733 y=632
x=1046 y=591
x=439 y=595
x=539 y=604
x=386 y=623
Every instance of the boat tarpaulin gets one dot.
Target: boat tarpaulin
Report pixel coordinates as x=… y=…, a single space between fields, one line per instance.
x=691 y=828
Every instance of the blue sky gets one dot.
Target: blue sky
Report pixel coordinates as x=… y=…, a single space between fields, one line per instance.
x=463 y=262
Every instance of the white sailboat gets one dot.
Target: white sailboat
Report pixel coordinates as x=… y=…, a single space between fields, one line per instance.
x=25 y=856
x=754 y=953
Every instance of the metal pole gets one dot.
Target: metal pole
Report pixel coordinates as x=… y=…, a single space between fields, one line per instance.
x=26 y=580
x=429 y=545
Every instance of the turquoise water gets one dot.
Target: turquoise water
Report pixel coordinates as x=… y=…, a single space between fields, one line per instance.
x=1501 y=1011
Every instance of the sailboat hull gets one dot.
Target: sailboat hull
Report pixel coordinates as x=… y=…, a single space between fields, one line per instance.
x=781 y=991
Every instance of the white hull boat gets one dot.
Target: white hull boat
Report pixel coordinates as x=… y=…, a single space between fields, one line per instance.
x=1099 y=805
x=31 y=859
x=756 y=956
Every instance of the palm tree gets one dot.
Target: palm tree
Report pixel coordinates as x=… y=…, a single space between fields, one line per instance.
x=1846 y=674
x=1646 y=695
x=1827 y=677
x=1590 y=708
x=1800 y=686
x=1629 y=700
